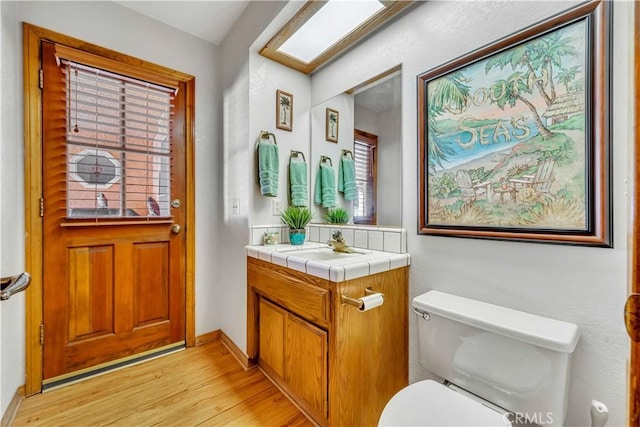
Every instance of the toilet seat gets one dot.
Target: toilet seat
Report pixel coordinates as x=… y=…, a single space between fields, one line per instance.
x=429 y=403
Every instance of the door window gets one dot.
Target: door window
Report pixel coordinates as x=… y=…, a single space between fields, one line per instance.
x=118 y=144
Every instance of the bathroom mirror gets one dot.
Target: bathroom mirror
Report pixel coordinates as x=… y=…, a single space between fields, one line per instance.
x=369 y=125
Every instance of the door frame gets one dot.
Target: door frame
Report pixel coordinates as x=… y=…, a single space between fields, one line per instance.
x=32 y=38
x=633 y=388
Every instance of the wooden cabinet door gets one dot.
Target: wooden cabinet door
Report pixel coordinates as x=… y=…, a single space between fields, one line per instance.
x=272 y=324
x=306 y=362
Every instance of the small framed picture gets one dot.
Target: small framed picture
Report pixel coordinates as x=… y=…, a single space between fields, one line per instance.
x=332 y=125
x=284 y=110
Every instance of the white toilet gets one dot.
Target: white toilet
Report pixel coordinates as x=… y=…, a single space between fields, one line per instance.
x=500 y=366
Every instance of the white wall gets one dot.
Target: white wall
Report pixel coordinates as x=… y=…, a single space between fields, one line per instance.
x=12 y=333
x=389 y=152
x=112 y=26
x=236 y=175
x=387 y=125
x=268 y=76
x=586 y=286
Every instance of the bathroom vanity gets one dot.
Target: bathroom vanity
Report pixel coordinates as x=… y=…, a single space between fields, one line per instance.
x=339 y=364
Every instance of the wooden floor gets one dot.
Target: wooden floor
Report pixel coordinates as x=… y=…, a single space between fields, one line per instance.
x=203 y=385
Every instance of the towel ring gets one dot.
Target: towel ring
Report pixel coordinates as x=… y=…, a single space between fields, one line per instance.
x=295 y=153
x=324 y=158
x=345 y=152
x=266 y=135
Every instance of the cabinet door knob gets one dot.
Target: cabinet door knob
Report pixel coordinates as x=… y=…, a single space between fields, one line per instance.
x=175 y=228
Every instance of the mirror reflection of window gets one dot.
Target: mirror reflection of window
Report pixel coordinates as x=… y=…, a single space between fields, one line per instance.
x=364 y=207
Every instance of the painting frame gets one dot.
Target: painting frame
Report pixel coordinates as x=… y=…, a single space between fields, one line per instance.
x=284 y=105
x=450 y=205
x=332 y=125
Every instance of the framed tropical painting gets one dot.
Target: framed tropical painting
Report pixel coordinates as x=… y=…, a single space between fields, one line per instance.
x=332 y=123
x=514 y=138
x=284 y=110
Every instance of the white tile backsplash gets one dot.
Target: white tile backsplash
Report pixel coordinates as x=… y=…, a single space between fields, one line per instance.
x=325 y=235
x=313 y=234
x=392 y=242
x=348 y=234
x=376 y=240
x=360 y=239
x=358 y=236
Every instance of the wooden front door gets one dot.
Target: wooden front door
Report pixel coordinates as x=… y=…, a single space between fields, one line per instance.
x=113 y=201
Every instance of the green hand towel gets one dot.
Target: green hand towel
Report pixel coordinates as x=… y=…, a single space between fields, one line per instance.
x=325 y=191
x=347 y=178
x=268 y=168
x=298 y=182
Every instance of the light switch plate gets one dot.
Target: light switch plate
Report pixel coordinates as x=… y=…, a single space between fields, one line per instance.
x=275 y=207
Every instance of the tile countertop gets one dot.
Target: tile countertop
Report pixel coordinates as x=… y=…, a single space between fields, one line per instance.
x=343 y=267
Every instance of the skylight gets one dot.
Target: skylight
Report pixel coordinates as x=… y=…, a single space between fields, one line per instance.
x=335 y=20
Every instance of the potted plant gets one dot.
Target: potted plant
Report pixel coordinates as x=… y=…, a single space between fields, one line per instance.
x=297 y=218
x=337 y=216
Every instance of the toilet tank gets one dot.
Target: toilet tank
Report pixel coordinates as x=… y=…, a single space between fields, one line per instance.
x=516 y=360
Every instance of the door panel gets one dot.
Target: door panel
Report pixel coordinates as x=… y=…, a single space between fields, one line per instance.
x=151 y=274
x=114 y=273
x=90 y=292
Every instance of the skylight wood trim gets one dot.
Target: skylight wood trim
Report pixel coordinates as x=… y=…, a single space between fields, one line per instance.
x=270 y=50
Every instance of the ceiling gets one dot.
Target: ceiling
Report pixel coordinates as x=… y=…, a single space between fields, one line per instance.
x=209 y=20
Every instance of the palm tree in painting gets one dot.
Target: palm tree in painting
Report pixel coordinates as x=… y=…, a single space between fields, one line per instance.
x=538 y=59
x=447 y=94
x=285 y=105
x=512 y=89
x=520 y=56
x=566 y=76
x=333 y=121
x=550 y=50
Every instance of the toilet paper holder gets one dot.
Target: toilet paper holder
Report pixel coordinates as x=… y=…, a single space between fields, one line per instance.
x=346 y=299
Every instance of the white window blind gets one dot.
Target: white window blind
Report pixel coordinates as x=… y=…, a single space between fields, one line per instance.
x=118 y=145
x=364 y=205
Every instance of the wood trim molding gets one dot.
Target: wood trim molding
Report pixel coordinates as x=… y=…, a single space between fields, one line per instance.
x=12 y=408
x=242 y=358
x=392 y=10
x=32 y=38
x=633 y=409
x=208 y=337
x=190 y=214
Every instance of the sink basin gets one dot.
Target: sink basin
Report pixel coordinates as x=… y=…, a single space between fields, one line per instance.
x=325 y=254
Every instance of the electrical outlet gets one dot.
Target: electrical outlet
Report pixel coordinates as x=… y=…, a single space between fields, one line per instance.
x=235 y=206
x=275 y=207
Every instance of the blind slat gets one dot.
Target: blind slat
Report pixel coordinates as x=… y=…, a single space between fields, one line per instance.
x=118 y=145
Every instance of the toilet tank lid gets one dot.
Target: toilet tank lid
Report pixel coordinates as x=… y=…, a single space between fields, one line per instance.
x=542 y=331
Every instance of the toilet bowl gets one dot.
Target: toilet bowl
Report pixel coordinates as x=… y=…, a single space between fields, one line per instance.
x=497 y=364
